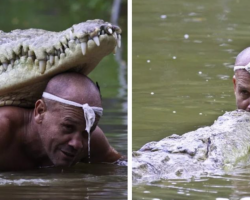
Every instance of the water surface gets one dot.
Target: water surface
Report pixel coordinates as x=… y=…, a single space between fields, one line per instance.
x=183 y=55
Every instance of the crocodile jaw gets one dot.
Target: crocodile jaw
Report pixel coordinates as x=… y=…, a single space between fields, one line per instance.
x=27 y=61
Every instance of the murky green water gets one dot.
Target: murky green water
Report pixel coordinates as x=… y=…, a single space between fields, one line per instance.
x=183 y=54
x=81 y=181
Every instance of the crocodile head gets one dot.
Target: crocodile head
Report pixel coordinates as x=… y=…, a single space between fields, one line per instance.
x=29 y=58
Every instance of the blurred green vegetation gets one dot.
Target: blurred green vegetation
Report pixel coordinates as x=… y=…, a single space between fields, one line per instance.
x=45 y=14
x=57 y=15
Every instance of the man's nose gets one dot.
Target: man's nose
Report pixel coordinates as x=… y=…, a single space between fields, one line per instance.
x=76 y=142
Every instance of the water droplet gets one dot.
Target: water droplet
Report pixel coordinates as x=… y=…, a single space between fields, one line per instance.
x=197 y=41
x=186 y=36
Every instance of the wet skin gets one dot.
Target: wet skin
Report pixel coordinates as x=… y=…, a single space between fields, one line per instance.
x=44 y=137
x=241 y=82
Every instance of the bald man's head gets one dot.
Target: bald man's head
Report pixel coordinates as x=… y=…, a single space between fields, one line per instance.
x=243 y=57
x=241 y=63
x=74 y=87
x=65 y=117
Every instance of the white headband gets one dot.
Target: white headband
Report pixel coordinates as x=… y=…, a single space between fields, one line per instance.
x=247 y=67
x=89 y=111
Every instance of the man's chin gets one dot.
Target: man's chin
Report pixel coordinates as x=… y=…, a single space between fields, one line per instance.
x=63 y=163
x=64 y=160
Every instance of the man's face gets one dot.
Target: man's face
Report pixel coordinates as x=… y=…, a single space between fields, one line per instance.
x=63 y=134
x=242 y=89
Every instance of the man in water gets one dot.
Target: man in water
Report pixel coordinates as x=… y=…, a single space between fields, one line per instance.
x=56 y=132
x=241 y=80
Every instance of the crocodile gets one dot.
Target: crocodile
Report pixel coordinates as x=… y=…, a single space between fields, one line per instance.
x=29 y=58
x=215 y=149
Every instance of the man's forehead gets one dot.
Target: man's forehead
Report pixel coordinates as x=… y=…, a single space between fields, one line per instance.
x=243 y=77
x=69 y=110
x=72 y=120
x=89 y=111
x=242 y=72
x=73 y=114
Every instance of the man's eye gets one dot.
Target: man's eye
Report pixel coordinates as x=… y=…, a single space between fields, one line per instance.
x=68 y=127
x=244 y=92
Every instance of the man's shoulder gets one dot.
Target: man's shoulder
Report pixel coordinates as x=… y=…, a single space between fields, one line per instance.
x=97 y=132
x=101 y=151
x=5 y=119
x=98 y=136
x=10 y=123
x=6 y=124
x=9 y=116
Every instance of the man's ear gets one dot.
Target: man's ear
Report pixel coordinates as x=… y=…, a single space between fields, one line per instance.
x=39 y=111
x=234 y=81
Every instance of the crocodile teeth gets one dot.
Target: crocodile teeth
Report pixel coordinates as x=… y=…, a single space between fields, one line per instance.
x=5 y=66
x=115 y=50
x=51 y=59
x=83 y=47
x=42 y=66
x=10 y=67
x=77 y=41
x=110 y=30
x=65 y=45
x=96 y=40
x=115 y=35
x=119 y=38
x=71 y=35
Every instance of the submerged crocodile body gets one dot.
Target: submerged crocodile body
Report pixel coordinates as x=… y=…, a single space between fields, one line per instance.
x=29 y=58
x=212 y=149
